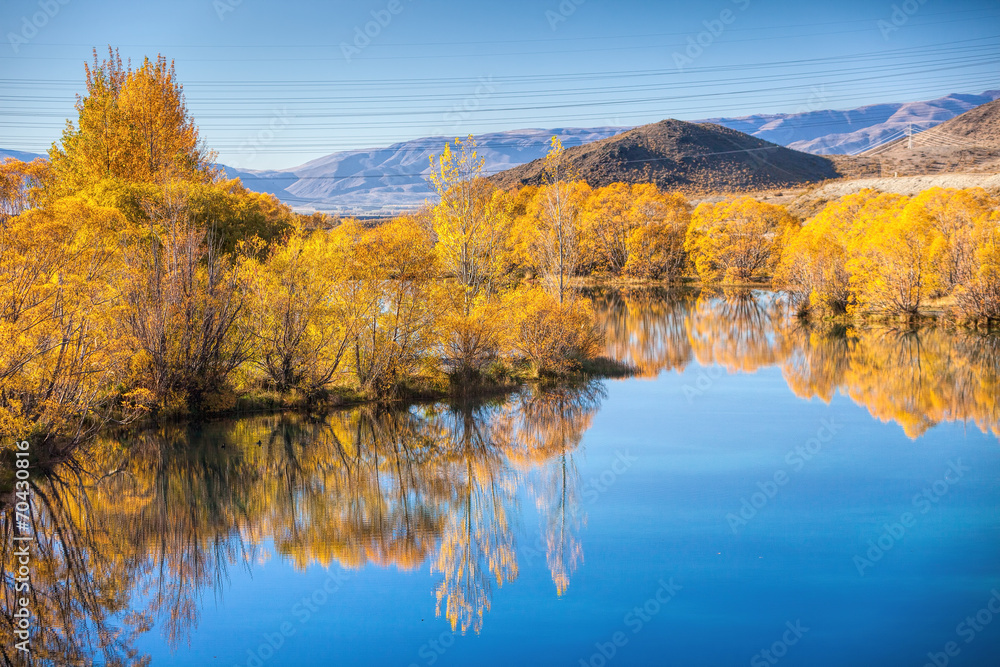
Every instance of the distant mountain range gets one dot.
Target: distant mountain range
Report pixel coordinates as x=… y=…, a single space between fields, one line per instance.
x=394 y=177
x=18 y=155
x=845 y=132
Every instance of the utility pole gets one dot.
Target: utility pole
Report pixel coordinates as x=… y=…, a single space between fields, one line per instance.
x=909 y=131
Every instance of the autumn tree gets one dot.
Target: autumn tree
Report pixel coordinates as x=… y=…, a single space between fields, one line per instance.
x=20 y=186
x=891 y=264
x=656 y=243
x=978 y=298
x=737 y=241
x=608 y=224
x=226 y=209
x=955 y=216
x=555 y=338
x=397 y=299
x=635 y=230
x=472 y=222
x=303 y=312
x=133 y=125
x=62 y=351
x=185 y=302
x=813 y=262
x=557 y=210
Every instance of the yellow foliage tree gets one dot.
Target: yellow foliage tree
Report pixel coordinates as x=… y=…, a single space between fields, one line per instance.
x=185 y=303
x=20 y=185
x=891 y=263
x=225 y=209
x=133 y=125
x=472 y=223
x=656 y=243
x=814 y=261
x=394 y=266
x=979 y=297
x=554 y=337
x=955 y=216
x=303 y=312
x=62 y=351
x=608 y=223
x=556 y=211
x=475 y=247
x=737 y=241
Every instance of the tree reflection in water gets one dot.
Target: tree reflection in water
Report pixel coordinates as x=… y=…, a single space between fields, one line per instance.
x=916 y=377
x=134 y=531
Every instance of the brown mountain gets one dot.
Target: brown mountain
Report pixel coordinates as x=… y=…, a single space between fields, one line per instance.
x=697 y=157
x=969 y=142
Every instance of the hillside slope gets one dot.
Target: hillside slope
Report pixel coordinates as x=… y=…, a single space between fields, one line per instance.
x=697 y=157
x=966 y=143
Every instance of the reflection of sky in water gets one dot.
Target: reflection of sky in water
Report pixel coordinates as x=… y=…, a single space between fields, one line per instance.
x=609 y=495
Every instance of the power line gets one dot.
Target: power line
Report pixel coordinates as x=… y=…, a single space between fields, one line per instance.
x=920 y=68
x=930 y=49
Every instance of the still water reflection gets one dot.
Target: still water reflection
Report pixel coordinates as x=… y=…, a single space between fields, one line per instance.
x=199 y=544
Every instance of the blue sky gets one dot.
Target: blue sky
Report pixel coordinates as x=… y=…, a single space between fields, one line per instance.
x=273 y=85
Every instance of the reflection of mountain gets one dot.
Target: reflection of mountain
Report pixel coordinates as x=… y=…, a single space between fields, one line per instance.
x=161 y=518
x=917 y=378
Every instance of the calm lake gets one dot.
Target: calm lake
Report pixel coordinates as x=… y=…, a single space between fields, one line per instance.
x=761 y=492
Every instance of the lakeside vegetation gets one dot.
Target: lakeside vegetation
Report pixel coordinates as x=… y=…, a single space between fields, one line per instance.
x=138 y=281
x=173 y=510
